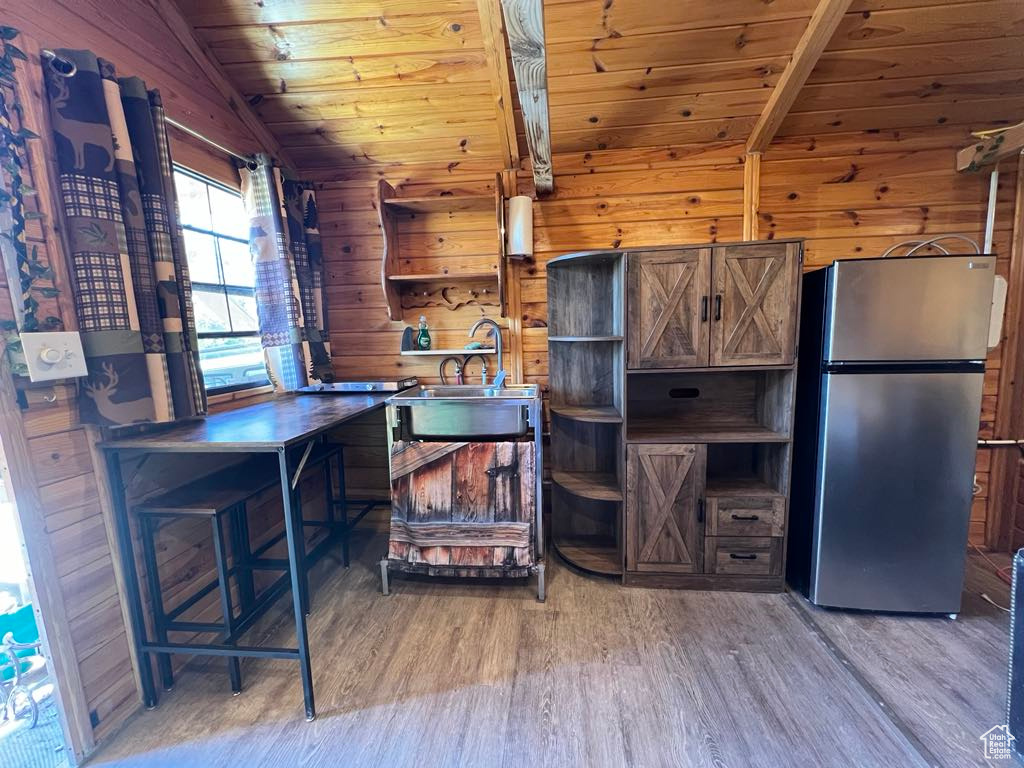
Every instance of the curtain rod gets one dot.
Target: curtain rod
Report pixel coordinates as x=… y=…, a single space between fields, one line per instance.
x=196 y=134
x=69 y=70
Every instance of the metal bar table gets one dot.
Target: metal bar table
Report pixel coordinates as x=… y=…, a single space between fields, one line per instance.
x=274 y=426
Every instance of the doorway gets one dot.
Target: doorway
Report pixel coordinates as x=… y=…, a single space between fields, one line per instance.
x=31 y=727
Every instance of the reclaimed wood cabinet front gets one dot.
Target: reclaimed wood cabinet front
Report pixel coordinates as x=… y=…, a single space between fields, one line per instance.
x=470 y=505
x=755 y=301
x=669 y=308
x=730 y=305
x=664 y=508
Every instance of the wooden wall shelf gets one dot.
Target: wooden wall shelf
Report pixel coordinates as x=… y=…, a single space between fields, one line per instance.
x=441 y=277
x=446 y=352
x=440 y=204
x=394 y=211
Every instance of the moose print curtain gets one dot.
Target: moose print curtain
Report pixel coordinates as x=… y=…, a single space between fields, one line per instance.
x=132 y=290
x=284 y=241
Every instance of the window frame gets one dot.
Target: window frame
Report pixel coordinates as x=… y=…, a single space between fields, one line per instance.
x=227 y=289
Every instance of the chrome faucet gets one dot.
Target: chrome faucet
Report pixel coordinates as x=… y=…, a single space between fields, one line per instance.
x=499 y=377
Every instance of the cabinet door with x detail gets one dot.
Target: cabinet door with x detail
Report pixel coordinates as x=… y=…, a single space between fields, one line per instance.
x=754 y=304
x=665 y=508
x=669 y=306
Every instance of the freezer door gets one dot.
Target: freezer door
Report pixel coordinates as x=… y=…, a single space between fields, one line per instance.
x=933 y=308
x=894 y=485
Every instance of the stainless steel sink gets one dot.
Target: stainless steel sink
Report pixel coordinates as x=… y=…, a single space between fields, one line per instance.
x=462 y=411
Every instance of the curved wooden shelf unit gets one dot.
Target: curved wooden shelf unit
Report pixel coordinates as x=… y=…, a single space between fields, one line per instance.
x=599 y=414
x=600 y=486
x=603 y=560
x=392 y=209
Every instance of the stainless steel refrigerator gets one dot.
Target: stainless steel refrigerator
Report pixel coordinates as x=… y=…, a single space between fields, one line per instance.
x=889 y=390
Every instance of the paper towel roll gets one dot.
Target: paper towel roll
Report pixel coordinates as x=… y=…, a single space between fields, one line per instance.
x=519 y=229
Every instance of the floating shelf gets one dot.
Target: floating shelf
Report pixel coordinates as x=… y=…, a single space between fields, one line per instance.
x=440 y=204
x=595 y=557
x=602 y=414
x=446 y=352
x=599 y=486
x=490 y=274
x=660 y=431
x=584 y=338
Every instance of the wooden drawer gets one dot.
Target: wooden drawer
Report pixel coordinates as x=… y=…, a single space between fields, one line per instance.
x=746 y=515
x=743 y=555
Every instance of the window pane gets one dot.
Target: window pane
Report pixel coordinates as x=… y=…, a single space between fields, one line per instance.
x=237 y=263
x=232 y=362
x=243 y=312
x=211 y=310
x=192 y=199
x=228 y=213
x=202 y=258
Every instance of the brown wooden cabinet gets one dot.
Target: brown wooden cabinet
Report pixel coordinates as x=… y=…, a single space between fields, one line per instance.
x=665 y=508
x=672 y=412
x=732 y=305
x=669 y=307
x=755 y=299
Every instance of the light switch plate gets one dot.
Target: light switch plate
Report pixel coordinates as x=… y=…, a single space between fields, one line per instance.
x=53 y=355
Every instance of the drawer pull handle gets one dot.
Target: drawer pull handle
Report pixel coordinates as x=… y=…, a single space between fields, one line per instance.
x=734 y=556
x=751 y=518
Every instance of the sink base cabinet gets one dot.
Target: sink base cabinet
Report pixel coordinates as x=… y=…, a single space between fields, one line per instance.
x=463 y=508
x=672 y=412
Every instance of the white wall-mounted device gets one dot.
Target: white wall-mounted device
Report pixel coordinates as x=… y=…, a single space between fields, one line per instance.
x=995 y=324
x=53 y=355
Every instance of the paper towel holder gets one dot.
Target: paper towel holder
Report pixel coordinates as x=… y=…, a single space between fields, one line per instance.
x=519 y=227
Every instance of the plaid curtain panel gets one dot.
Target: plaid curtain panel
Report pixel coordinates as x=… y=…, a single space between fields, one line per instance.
x=122 y=218
x=284 y=241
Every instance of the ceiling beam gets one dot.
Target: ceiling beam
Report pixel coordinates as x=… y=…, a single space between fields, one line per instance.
x=524 y=22
x=198 y=50
x=820 y=29
x=497 y=69
x=991 y=149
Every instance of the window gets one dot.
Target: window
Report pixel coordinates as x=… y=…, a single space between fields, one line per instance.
x=223 y=283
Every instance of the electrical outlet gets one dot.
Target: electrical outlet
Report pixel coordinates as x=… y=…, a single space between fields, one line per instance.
x=53 y=355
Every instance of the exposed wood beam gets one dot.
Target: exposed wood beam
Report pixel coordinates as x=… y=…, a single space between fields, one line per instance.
x=524 y=22
x=497 y=69
x=991 y=149
x=822 y=25
x=751 y=194
x=198 y=50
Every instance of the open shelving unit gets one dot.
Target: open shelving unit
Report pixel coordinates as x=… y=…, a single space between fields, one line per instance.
x=586 y=317
x=394 y=211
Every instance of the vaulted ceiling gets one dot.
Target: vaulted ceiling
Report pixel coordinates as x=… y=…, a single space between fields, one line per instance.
x=366 y=82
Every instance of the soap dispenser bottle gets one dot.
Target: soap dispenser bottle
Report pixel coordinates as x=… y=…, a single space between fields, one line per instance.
x=423 y=335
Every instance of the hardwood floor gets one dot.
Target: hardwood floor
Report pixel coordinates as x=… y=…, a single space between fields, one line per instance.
x=600 y=675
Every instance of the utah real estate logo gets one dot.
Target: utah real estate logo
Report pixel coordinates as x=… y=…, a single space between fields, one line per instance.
x=998 y=742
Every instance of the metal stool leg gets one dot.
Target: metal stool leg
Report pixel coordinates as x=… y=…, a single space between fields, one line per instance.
x=241 y=549
x=156 y=598
x=234 y=667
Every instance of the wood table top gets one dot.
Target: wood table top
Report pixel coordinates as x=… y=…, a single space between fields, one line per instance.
x=280 y=422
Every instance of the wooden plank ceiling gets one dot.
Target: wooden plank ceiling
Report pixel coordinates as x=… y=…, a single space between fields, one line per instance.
x=371 y=82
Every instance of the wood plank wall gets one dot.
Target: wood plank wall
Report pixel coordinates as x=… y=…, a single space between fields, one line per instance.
x=137 y=41
x=852 y=195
